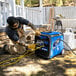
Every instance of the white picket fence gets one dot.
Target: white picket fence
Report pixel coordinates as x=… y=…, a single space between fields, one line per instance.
x=36 y=15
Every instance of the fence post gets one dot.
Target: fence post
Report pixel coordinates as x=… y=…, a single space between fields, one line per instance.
x=41 y=12
x=4 y=14
x=10 y=9
x=12 y=6
x=0 y=14
x=22 y=6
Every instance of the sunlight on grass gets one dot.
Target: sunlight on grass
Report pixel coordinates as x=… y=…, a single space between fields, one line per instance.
x=71 y=72
x=44 y=61
x=27 y=70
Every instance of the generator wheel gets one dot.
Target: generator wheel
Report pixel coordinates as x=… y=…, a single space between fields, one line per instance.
x=63 y=52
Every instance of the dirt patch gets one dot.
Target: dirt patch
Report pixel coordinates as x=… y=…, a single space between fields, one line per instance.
x=61 y=65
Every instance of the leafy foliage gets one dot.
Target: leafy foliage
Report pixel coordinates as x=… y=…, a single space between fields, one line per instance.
x=31 y=3
x=17 y=2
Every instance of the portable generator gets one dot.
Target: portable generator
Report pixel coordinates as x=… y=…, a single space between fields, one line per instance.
x=51 y=44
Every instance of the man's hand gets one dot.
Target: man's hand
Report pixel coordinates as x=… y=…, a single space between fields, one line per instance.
x=37 y=32
x=22 y=44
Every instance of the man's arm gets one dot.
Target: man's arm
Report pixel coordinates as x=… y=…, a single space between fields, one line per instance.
x=18 y=42
x=32 y=26
x=13 y=36
x=26 y=22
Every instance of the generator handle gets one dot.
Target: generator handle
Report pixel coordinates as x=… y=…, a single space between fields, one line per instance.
x=45 y=35
x=51 y=35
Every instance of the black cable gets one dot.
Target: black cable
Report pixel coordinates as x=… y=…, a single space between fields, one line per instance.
x=68 y=46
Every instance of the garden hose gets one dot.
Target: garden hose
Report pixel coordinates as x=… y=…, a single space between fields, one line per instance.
x=68 y=46
x=18 y=58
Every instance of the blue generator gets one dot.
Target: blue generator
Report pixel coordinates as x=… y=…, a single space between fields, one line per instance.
x=50 y=44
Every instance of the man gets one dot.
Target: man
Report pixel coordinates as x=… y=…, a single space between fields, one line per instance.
x=15 y=32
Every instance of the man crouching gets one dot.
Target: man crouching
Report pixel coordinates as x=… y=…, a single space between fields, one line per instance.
x=15 y=32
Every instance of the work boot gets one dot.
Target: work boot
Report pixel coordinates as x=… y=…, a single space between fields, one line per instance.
x=1 y=51
x=5 y=47
x=4 y=50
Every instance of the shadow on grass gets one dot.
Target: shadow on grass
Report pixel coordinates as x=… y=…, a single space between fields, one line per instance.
x=54 y=68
